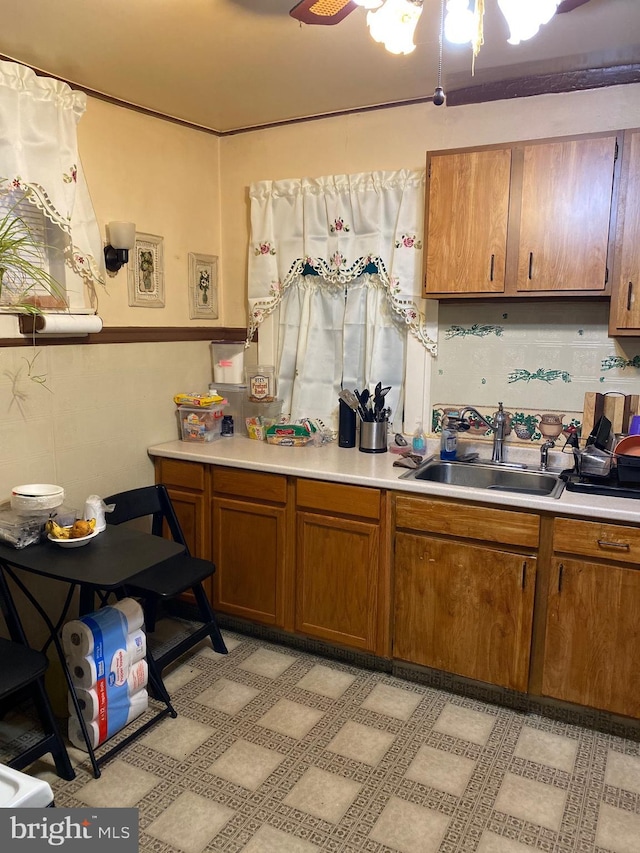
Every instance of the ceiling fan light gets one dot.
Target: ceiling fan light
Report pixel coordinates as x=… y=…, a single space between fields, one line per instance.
x=369 y=4
x=458 y=24
x=394 y=24
x=525 y=17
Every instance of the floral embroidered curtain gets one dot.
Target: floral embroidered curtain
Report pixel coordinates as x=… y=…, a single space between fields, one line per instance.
x=341 y=258
x=40 y=164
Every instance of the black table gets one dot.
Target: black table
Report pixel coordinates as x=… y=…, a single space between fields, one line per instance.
x=105 y=564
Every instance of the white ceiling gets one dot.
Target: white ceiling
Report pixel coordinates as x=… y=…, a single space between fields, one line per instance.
x=232 y=64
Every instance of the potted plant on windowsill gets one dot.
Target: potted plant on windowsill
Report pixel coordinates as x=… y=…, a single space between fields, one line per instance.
x=25 y=286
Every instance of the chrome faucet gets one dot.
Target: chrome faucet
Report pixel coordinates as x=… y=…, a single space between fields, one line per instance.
x=498 y=428
x=544 y=453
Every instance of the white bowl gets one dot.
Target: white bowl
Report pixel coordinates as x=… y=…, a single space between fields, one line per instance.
x=37 y=490
x=36 y=498
x=73 y=543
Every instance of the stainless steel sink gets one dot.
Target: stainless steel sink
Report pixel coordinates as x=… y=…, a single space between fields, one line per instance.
x=495 y=477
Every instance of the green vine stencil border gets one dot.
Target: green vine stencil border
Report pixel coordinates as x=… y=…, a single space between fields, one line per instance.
x=520 y=374
x=478 y=330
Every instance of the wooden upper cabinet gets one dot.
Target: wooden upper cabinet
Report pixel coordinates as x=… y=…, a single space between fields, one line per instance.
x=467 y=205
x=565 y=211
x=625 y=302
x=520 y=219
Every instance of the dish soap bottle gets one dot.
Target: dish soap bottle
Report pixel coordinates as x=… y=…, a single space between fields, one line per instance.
x=449 y=439
x=419 y=441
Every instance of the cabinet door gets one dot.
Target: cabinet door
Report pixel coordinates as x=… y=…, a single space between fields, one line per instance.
x=336 y=579
x=464 y=609
x=466 y=222
x=249 y=553
x=625 y=304
x=592 y=643
x=191 y=512
x=565 y=213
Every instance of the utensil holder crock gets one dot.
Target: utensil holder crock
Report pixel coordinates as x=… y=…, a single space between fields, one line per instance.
x=373 y=436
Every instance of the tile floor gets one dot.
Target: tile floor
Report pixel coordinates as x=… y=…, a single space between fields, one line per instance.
x=279 y=751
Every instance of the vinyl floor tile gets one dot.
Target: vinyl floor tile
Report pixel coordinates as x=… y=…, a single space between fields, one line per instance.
x=276 y=750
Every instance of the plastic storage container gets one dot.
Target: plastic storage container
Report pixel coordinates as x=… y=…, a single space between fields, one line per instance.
x=236 y=397
x=200 y=424
x=20 y=530
x=227 y=358
x=261 y=383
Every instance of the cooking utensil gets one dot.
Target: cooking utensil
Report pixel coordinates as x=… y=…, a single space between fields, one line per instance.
x=601 y=434
x=349 y=398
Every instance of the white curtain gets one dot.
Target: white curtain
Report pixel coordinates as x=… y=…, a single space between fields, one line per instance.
x=39 y=161
x=340 y=257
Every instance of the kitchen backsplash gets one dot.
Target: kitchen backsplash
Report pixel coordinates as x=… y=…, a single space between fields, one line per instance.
x=538 y=358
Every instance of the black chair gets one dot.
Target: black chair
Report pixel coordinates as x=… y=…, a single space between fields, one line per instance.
x=22 y=672
x=158 y=586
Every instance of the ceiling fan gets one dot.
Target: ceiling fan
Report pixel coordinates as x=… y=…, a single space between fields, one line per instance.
x=329 y=12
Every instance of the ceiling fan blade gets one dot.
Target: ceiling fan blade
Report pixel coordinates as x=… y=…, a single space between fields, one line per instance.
x=326 y=12
x=570 y=5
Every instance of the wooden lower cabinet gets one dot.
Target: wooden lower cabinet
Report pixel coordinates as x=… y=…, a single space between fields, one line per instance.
x=338 y=557
x=336 y=584
x=187 y=484
x=464 y=608
x=592 y=638
x=249 y=544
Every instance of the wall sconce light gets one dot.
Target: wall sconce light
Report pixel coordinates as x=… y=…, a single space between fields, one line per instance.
x=121 y=237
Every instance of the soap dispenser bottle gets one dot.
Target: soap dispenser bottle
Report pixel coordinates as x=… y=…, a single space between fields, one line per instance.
x=419 y=441
x=449 y=439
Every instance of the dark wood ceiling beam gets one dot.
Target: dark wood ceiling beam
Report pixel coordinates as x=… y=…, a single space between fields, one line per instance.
x=542 y=84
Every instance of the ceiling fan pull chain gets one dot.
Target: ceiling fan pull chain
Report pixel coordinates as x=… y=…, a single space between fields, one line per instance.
x=438 y=95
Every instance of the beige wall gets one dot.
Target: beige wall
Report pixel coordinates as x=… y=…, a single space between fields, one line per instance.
x=89 y=426
x=165 y=178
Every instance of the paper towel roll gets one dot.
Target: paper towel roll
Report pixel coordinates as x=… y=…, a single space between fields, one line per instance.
x=136 y=646
x=77 y=636
x=90 y=703
x=83 y=671
x=133 y=613
x=138 y=677
x=138 y=704
x=77 y=738
x=68 y=324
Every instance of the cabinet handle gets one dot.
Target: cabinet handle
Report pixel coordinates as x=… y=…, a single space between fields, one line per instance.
x=560 y=575
x=623 y=545
x=629 y=295
x=530 y=265
x=492 y=267
x=524 y=574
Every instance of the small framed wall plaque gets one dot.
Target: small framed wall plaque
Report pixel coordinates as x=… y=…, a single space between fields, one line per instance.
x=203 y=286
x=146 y=272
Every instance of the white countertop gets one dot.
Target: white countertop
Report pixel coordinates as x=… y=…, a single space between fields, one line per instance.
x=340 y=465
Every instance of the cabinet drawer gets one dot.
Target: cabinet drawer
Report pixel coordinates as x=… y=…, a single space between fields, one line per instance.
x=469 y=522
x=597 y=539
x=255 y=485
x=338 y=499
x=187 y=475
